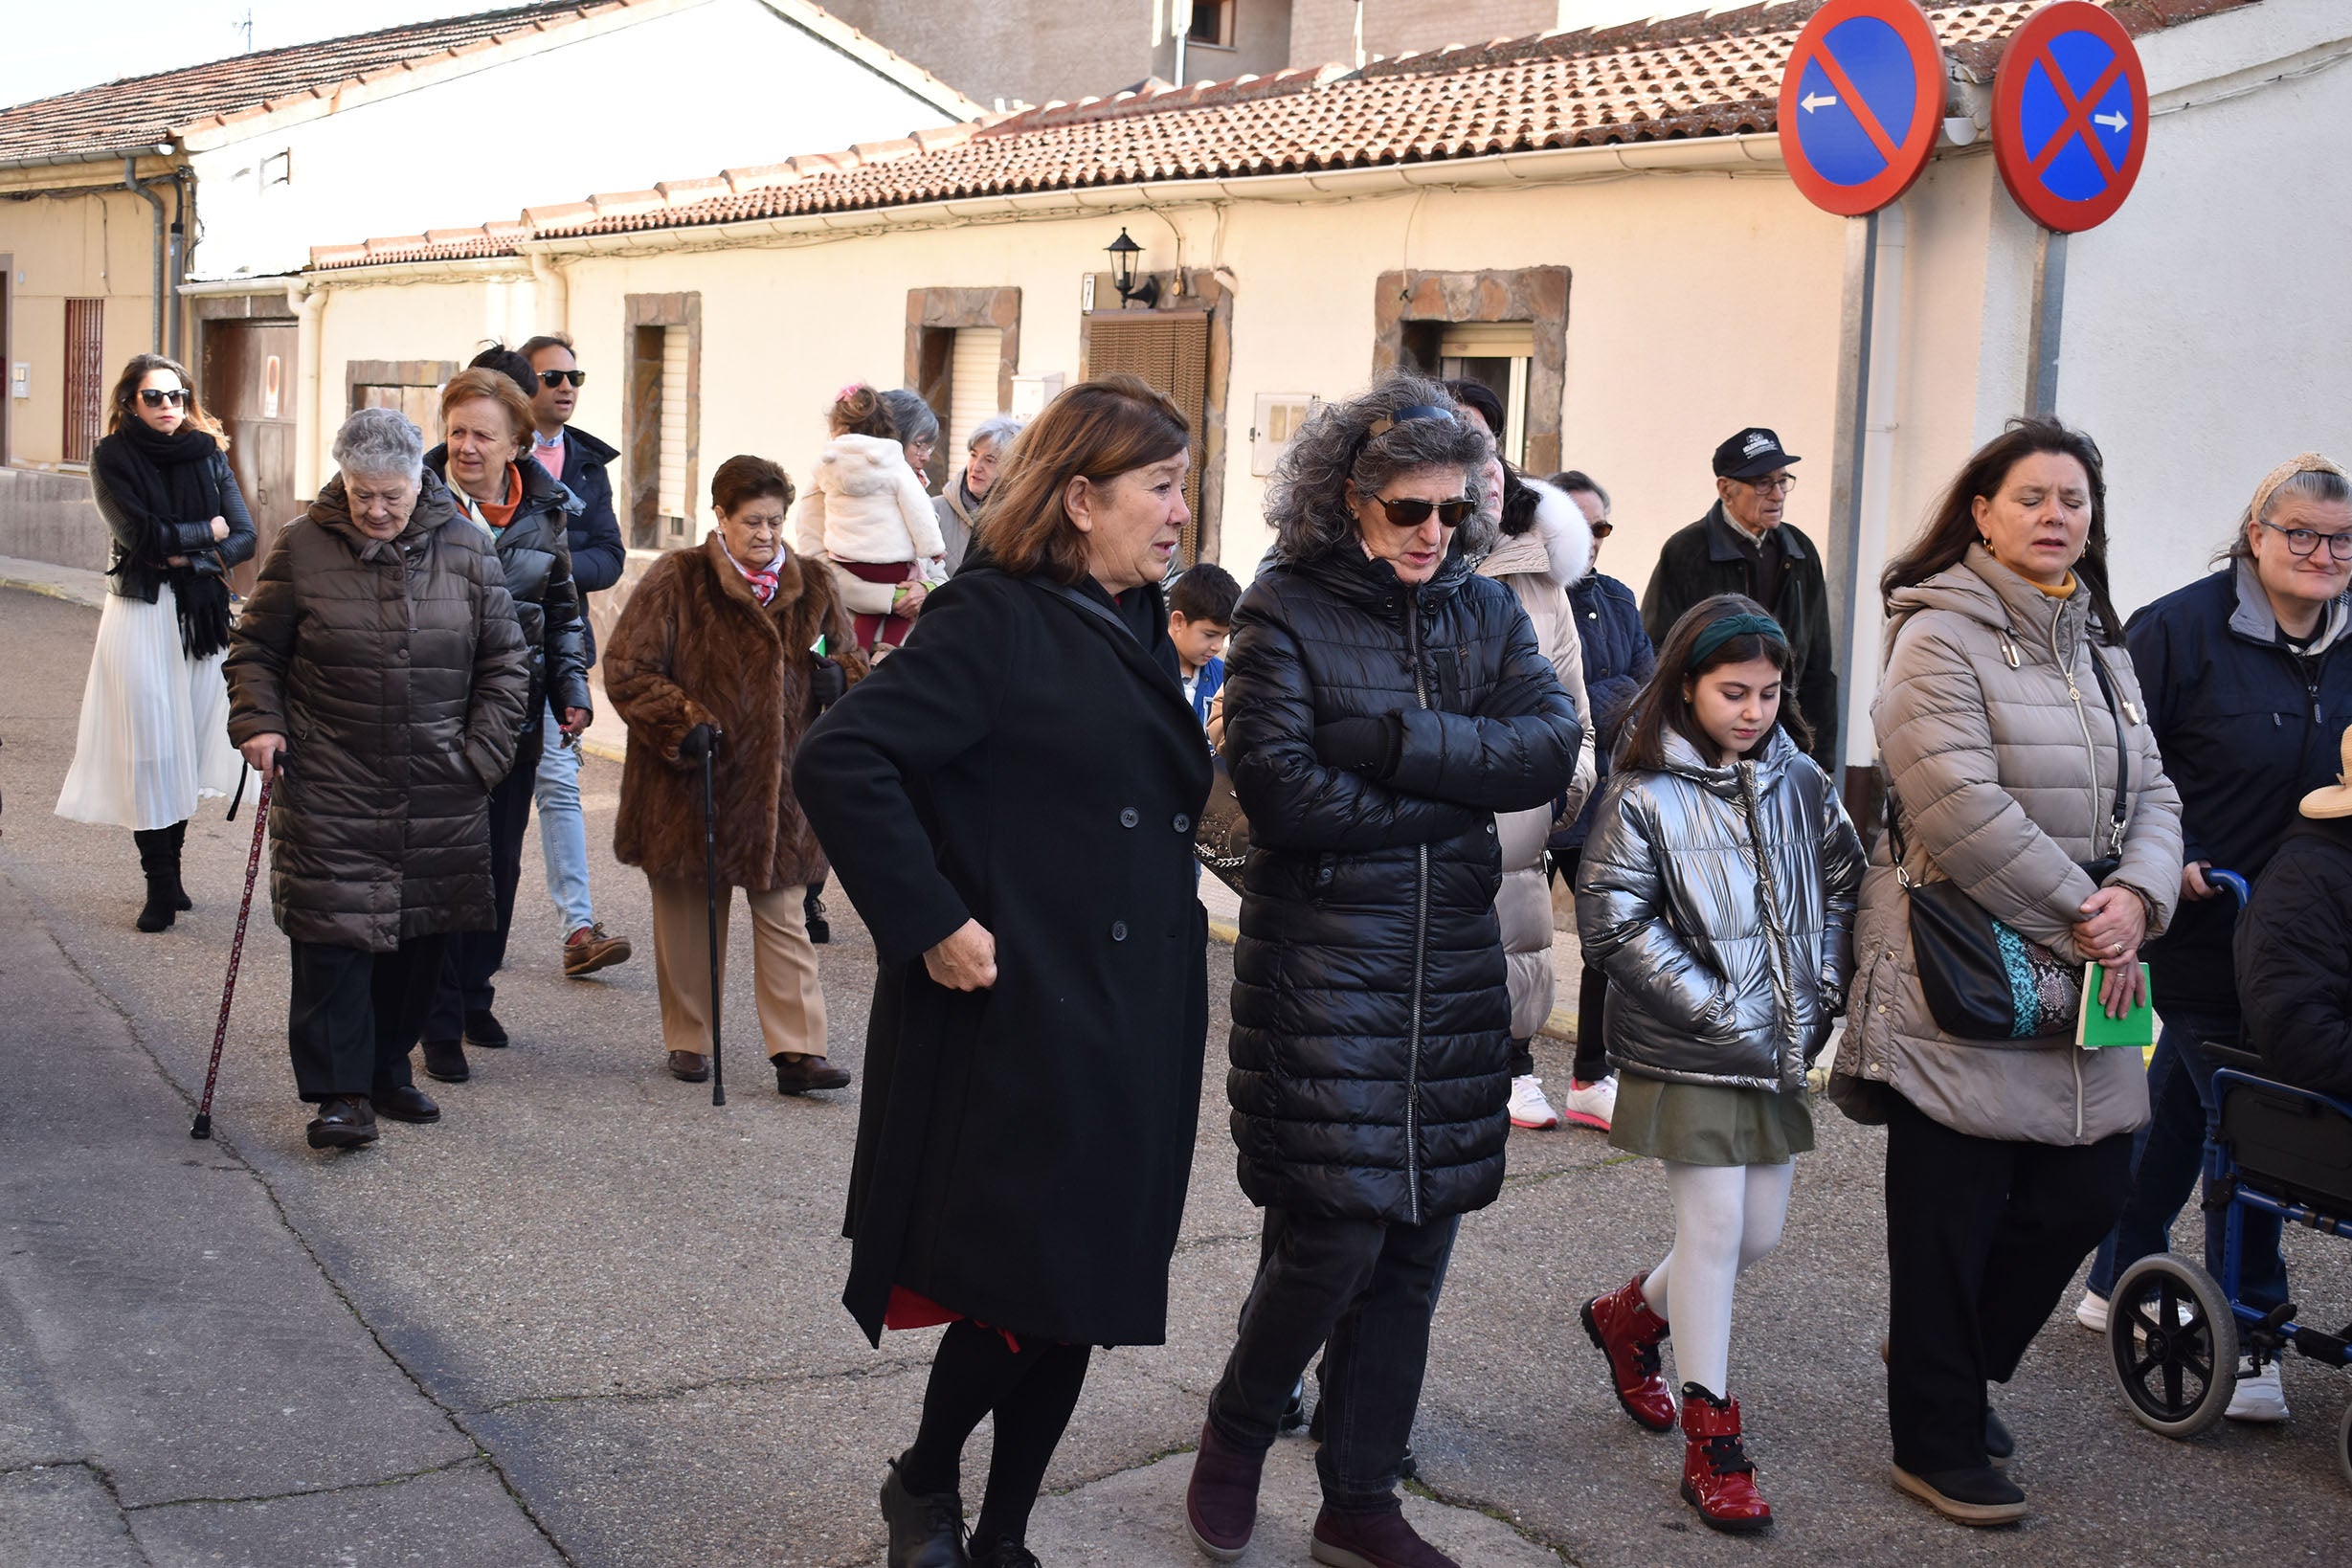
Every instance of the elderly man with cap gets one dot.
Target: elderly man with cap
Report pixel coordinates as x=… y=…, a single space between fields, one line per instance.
x=1742 y=545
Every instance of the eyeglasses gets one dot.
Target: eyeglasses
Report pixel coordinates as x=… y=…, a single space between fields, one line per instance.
x=556 y=378
x=1772 y=484
x=154 y=398
x=1603 y=528
x=2305 y=541
x=1411 y=512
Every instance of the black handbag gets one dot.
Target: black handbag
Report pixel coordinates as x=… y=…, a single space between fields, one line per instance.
x=1982 y=978
x=1221 y=838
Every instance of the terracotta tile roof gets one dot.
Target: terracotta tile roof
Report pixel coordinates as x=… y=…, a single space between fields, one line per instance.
x=1699 y=76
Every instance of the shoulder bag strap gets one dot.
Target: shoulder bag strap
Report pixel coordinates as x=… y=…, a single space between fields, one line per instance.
x=1093 y=607
x=2123 y=747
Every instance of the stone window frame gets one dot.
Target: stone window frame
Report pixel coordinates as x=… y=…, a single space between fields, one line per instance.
x=933 y=316
x=1536 y=295
x=682 y=309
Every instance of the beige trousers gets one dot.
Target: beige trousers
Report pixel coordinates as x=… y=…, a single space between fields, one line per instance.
x=792 y=1005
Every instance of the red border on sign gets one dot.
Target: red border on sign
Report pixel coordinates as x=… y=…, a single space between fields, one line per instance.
x=2031 y=42
x=1909 y=157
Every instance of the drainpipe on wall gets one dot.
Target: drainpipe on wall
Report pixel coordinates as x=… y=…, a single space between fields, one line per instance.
x=309 y=300
x=131 y=183
x=1180 y=24
x=181 y=187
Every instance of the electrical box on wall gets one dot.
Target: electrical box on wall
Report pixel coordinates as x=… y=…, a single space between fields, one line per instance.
x=1275 y=426
x=1032 y=393
x=20 y=380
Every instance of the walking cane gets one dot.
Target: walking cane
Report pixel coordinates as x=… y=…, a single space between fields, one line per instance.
x=203 y=1127
x=710 y=885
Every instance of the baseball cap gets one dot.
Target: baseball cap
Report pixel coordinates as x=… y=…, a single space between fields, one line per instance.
x=1754 y=451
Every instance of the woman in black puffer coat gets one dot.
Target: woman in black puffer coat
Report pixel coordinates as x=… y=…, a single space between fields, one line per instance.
x=1383 y=702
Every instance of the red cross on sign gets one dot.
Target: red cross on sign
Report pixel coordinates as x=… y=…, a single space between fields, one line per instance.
x=2069 y=116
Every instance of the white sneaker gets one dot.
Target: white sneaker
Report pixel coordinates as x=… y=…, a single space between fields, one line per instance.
x=2259 y=1398
x=1591 y=1104
x=1528 y=1107
x=2091 y=1312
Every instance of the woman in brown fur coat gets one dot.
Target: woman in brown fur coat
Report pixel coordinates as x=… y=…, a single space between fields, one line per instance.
x=713 y=654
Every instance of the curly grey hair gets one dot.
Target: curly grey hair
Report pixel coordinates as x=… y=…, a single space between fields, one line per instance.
x=1307 y=501
x=380 y=441
x=913 y=416
x=999 y=428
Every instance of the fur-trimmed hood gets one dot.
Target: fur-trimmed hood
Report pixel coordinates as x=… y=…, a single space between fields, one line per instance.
x=1559 y=549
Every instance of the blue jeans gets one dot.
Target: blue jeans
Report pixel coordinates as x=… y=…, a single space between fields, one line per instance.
x=563 y=831
x=2166 y=1156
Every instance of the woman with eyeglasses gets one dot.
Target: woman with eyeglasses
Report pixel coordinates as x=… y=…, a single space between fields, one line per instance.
x=713 y=659
x=1383 y=702
x=2248 y=672
x=153 y=738
x=2021 y=770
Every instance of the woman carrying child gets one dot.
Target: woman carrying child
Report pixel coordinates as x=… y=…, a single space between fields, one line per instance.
x=1717 y=890
x=866 y=514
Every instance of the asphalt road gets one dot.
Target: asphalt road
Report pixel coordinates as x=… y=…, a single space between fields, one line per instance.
x=589 y=1318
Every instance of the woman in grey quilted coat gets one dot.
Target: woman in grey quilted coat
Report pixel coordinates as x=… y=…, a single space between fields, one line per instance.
x=2005 y=697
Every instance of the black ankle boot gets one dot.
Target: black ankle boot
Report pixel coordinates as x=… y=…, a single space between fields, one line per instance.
x=926 y=1529
x=179 y=843
x=159 y=860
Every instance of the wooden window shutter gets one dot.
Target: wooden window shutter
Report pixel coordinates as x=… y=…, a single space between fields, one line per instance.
x=1170 y=351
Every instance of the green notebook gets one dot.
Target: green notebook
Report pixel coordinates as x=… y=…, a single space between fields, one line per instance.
x=2094 y=1030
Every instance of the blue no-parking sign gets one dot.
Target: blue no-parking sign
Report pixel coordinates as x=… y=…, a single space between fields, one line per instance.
x=1861 y=102
x=2069 y=116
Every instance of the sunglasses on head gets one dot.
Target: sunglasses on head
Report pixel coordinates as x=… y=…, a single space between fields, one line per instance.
x=155 y=398
x=1411 y=512
x=556 y=378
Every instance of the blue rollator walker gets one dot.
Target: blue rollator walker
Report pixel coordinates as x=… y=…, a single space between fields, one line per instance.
x=2174 y=1332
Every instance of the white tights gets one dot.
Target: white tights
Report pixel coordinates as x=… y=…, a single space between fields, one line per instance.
x=1725 y=1218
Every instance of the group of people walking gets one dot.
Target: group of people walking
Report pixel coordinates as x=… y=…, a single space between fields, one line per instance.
x=955 y=701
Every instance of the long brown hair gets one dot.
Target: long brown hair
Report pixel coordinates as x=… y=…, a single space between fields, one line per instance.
x=1951 y=526
x=1662 y=707
x=120 y=412
x=1097 y=430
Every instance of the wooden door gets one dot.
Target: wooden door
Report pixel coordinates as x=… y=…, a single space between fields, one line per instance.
x=249 y=386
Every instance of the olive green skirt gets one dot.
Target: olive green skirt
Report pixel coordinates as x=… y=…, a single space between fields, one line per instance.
x=1708 y=1124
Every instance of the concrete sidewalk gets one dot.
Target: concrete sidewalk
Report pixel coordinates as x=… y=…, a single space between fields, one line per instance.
x=180 y=1380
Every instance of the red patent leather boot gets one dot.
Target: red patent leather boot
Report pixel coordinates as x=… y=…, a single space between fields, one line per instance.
x=1717 y=1477
x=1629 y=1334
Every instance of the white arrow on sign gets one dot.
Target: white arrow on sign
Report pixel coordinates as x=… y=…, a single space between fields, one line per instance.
x=1818 y=101
x=2116 y=123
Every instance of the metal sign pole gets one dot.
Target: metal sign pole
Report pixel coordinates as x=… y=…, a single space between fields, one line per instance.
x=2048 y=323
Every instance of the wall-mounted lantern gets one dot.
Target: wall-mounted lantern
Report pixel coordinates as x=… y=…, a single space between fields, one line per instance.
x=1123 y=253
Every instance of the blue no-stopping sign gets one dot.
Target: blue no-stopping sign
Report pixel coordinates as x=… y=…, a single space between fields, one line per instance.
x=1861 y=102
x=2069 y=116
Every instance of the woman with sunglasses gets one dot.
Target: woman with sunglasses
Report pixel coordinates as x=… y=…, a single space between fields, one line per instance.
x=2249 y=676
x=1383 y=702
x=153 y=737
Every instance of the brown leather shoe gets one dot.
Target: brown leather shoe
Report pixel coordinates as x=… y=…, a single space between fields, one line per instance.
x=694 y=1067
x=802 y=1074
x=589 y=949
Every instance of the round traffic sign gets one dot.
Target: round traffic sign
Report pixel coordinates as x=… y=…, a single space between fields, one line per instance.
x=2069 y=116
x=1861 y=103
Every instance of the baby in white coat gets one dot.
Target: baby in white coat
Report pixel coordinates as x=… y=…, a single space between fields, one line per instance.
x=866 y=512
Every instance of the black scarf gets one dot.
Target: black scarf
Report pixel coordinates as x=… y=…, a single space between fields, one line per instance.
x=162 y=481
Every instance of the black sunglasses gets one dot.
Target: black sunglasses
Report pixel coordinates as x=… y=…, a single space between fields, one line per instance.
x=1603 y=528
x=1412 y=512
x=154 y=398
x=556 y=378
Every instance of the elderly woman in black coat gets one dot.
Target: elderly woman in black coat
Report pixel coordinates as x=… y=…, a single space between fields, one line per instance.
x=1009 y=800
x=1383 y=702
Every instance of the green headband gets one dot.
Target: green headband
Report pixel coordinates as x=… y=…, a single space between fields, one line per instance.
x=1720 y=631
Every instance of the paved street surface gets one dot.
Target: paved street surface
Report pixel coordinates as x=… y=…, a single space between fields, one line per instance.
x=591 y=1319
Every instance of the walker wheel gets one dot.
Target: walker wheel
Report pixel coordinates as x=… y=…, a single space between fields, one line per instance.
x=2173 y=1341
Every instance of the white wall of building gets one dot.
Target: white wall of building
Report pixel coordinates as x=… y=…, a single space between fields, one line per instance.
x=715 y=84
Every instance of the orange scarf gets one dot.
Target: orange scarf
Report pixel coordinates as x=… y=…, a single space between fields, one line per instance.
x=499 y=513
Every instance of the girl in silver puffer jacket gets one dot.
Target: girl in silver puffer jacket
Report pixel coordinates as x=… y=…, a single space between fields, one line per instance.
x=1717 y=890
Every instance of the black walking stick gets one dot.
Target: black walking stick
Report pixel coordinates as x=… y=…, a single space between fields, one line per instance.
x=203 y=1127
x=710 y=885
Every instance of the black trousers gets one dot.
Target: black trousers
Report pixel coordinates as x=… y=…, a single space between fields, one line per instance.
x=476 y=957
x=1368 y=1290
x=1983 y=1236
x=1592 y=992
x=356 y=1015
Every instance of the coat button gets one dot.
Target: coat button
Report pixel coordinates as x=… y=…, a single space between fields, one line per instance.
x=1128 y=817
x=1118 y=931
x=1183 y=824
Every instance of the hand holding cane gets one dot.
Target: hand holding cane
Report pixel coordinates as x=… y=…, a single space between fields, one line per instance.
x=701 y=741
x=203 y=1127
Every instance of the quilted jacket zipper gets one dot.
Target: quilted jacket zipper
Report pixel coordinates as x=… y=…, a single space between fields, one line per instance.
x=1420 y=942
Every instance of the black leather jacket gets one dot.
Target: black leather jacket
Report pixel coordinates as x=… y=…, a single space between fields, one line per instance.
x=534 y=549
x=135 y=564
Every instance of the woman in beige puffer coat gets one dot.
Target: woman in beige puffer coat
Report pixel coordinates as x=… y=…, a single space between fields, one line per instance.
x=1551 y=550
x=2007 y=1160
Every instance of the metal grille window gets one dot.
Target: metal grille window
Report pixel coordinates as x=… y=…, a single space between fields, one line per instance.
x=1169 y=351
x=85 y=376
x=971 y=386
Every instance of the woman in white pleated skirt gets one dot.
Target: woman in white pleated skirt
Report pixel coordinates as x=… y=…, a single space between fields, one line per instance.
x=153 y=738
